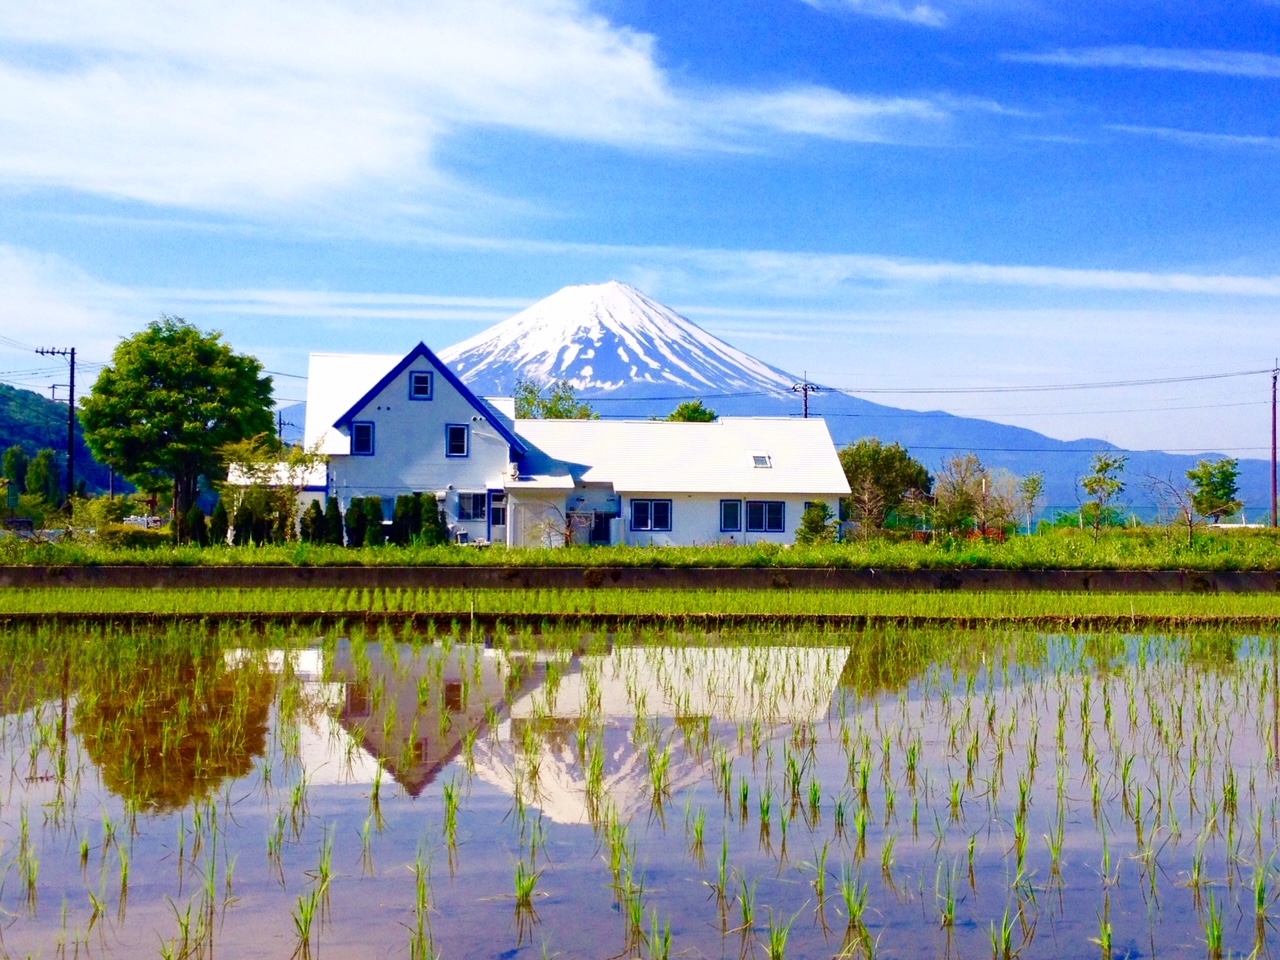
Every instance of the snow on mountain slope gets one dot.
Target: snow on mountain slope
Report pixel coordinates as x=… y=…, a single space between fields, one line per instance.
x=608 y=338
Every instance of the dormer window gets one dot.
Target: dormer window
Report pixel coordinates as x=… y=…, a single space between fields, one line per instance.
x=420 y=384
x=761 y=461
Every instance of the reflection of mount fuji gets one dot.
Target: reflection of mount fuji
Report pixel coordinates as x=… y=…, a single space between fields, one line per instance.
x=412 y=713
x=674 y=686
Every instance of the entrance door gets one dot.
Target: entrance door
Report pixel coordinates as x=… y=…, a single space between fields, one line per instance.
x=600 y=528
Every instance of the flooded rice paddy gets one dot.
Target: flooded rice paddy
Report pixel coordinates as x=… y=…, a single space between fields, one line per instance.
x=884 y=794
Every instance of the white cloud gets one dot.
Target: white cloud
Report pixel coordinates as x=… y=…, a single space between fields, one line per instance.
x=789 y=273
x=1234 y=63
x=237 y=104
x=919 y=13
x=1193 y=138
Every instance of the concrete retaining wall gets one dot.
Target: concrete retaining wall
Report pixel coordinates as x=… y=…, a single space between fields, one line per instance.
x=1098 y=581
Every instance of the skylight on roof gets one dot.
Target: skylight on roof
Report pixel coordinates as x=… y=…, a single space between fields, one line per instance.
x=761 y=461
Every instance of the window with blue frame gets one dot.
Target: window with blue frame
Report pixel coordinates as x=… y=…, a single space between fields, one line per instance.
x=651 y=515
x=471 y=506
x=362 y=438
x=730 y=516
x=456 y=440
x=420 y=385
x=766 y=516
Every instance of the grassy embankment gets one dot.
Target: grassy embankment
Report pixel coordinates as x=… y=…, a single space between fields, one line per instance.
x=1150 y=548
x=516 y=606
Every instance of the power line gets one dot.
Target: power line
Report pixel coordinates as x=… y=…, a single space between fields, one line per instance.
x=1045 y=388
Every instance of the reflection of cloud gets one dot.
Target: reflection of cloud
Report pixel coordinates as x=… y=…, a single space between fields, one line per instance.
x=772 y=685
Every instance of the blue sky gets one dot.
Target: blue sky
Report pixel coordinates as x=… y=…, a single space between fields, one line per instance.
x=887 y=195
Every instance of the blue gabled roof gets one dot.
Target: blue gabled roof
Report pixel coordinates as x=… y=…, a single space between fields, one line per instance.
x=421 y=351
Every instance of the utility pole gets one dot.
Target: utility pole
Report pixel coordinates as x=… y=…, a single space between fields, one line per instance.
x=70 y=354
x=1275 y=372
x=804 y=388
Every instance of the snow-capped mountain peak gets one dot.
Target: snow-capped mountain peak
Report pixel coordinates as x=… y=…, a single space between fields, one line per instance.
x=608 y=337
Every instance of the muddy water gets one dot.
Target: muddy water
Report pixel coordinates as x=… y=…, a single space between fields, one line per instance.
x=897 y=797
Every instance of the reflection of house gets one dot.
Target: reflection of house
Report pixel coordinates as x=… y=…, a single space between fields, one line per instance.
x=394 y=426
x=771 y=685
x=415 y=714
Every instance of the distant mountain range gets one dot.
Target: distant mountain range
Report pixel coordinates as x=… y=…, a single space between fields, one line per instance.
x=35 y=422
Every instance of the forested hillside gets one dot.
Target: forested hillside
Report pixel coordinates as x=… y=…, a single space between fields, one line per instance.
x=34 y=422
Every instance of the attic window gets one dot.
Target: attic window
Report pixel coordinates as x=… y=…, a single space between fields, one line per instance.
x=761 y=461
x=420 y=385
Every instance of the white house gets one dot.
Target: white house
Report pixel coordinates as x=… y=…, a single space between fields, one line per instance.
x=394 y=426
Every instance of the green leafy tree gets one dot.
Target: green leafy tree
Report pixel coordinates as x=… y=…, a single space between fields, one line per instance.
x=15 y=467
x=197 y=526
x=556 y=402
x=333 y=522
x=817 y=524
x=312 y=526
x=880 y=477
x=169 y=401
x=693 y=411
x=355 y=522
x=219 y=525
x=1102 y=484
x=1030 y=493
x=375 y=534
x=42 y=478
x=1216 y=488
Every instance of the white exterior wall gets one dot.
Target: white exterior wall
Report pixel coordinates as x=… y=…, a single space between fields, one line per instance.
x=409 y=450
x=695 y=518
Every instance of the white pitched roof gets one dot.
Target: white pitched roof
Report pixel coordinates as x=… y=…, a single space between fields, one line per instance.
x=335 y=381
x=660 y=456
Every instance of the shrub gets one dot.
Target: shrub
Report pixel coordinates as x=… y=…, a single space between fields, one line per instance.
x=219 y=525
x=128 y=537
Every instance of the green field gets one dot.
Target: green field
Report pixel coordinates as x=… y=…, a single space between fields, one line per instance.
x=1146 y=548
x=526 y=604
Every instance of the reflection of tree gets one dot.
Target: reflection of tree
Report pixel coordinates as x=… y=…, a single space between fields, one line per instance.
x=1211 y=650
x=167 y=727
x=886 y=662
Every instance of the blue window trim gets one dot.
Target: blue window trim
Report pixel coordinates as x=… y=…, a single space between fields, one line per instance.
x=372 y=438
x=466 y=429
x=733 y=529
x=764 y=506
x=431 y=384
x=651 y=528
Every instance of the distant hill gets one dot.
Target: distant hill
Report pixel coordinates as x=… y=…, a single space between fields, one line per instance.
x=34 y=422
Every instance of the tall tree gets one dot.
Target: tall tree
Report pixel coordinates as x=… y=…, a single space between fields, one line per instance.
x=880 y=476
x=1102 y=484
x=1216 y=488
x=171 y=397
x=556 y=402
x=43 y=478
x=15 y=467
x=693 y=411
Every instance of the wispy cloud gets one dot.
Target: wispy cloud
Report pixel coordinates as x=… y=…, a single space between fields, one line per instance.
x=787 y=273
x=920 y=13
x=1234 y=63
x=1194 y=138
x=250 y=104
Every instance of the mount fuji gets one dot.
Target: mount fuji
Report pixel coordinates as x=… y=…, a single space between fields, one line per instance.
x=609 y=338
